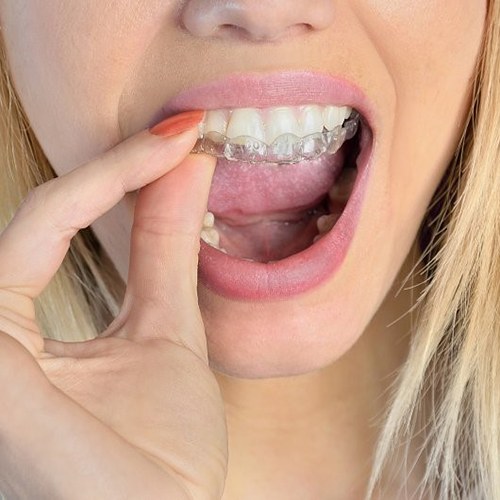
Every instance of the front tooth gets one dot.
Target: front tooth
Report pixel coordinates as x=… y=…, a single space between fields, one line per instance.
x=246 y=122
x=281 y=121
x=211 y=236
x=311 y=120
x=215 y=121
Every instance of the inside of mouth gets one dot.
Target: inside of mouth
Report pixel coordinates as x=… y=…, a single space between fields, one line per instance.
x=272 y=237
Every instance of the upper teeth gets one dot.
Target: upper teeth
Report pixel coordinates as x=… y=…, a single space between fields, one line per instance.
x=268 y=124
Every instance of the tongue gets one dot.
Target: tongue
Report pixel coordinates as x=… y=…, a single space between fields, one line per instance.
x=241 y=188
x=263 y=211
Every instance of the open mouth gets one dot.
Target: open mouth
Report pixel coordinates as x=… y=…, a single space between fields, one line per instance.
x=294 y=150
x=284 y=177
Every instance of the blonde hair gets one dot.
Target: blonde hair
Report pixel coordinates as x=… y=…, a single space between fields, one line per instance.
x=448 y=389
x=451 y=378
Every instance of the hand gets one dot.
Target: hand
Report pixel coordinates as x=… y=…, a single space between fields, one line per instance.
x=136 y=413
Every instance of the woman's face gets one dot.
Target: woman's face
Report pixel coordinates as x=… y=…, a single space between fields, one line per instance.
x=90 y=73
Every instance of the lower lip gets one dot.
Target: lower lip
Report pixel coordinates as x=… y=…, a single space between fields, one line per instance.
x=243 y=280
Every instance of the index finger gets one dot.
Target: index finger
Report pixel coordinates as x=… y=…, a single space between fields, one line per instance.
x=34 y=244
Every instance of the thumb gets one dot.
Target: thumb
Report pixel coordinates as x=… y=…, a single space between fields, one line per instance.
x=165 y=243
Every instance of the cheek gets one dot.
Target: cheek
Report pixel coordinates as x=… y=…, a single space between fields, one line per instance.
x=430 y=49
x=70 y=68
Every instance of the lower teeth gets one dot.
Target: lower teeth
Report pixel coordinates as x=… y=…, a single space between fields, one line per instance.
x=286 y=149
x=326 y=222
x=211 y=236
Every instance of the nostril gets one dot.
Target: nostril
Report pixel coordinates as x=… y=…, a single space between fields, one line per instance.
x=239 y=32
x=299 y=29
x=265 y=20
x=232 y=30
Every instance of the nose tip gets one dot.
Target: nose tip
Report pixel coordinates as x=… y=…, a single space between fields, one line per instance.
x=259 y=20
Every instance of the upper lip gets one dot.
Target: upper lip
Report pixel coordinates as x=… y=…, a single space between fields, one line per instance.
x=263 y=90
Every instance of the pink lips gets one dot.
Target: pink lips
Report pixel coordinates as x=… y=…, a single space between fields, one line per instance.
x=263 y=90
x=245 y=280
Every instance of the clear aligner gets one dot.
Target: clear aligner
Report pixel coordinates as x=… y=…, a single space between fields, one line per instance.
x=285 y=149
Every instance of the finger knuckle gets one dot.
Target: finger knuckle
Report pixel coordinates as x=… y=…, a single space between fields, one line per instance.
x=158 y=225
x=40 y=201
x=43 y=202
x=36 y=198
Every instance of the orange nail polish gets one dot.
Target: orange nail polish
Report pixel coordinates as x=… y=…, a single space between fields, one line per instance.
x=178 y=123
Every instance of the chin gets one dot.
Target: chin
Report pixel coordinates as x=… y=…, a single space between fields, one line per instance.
x=277 y=339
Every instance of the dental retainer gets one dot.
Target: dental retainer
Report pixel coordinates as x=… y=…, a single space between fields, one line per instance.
x=285 y=149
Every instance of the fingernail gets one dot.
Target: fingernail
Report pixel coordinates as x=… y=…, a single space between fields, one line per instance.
x=178 y=123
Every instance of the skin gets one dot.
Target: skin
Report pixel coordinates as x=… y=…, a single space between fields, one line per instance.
x=99 y=83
